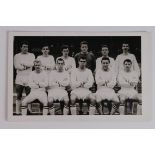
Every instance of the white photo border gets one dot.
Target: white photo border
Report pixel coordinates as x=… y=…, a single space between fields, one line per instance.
x=146 y=81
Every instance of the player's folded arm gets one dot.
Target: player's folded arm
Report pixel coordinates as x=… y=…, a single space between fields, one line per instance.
x=112 y=83
x=88 y=85
x=18 y=66
x=43 y=84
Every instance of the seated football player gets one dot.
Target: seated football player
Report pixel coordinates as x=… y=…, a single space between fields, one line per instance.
x=105 y=95
x=81 y=80
x=38 y=81
x=128 y=79
x=23 y=63
x=58 y=81
x=47 y=60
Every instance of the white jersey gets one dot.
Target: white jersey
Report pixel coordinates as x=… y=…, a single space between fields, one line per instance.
x=126 y=78
x=120 y=60
x=105 y=78
x=111 y=65
x=48 y=63
x=23 y=63
x=79 y=77
x=38 y=81
x=69 y=63
x=58 y=79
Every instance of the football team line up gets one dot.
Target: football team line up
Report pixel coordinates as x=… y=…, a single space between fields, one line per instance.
x=52 y=81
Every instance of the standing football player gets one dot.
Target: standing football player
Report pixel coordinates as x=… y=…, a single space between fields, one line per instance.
x=58 y=81
x=38 y=81
x=47 y=61
x=23 y=63
x=106 y=80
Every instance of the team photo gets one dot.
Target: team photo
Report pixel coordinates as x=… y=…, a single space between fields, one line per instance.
x=76 y=75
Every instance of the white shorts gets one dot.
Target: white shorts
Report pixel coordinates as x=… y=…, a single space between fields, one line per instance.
x=34 y=95
x=106 y=94
x=128 y=93
x=22 y=80
x=57 y=94
x=81 y=93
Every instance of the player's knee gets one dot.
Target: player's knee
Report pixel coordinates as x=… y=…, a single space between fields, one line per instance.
x=50 y=99
x=98 y=99
x=24 y=103
x=135 y=98
x=73 y=99
x=93 y=100
x=66 y=100
x=89 y=97
x=122 y=99
x=45 y=103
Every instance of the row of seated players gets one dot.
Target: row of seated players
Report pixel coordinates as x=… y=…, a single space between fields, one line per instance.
x=80 y=81
x=24 y=62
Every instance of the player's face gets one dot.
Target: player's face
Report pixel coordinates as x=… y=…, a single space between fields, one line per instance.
x=45 y=50
x=125 y=47
x=60 y=65
x=82 y=63
x=24 y=48
x=105 y=64
x=37 y=66
x=127 y=66
x=105 y=51
x=65 y=52
x=84 y=48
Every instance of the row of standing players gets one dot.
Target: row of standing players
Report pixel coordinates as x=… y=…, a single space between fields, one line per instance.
x=55 y=78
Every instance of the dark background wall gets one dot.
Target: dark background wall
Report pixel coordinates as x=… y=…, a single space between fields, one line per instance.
x=94 y=42
x=55 y=42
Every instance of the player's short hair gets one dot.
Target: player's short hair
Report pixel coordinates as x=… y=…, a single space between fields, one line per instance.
x=83 y=42
x=82 y=57
x=36 y=61
x=125 y=42
x=60 y=59
x=45 y=45
x=102 y=46
x=24 y=43
x=64 y=47
x=127 y=60
x=105 y=59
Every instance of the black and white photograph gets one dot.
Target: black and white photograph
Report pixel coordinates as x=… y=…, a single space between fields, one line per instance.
x=75 y=74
